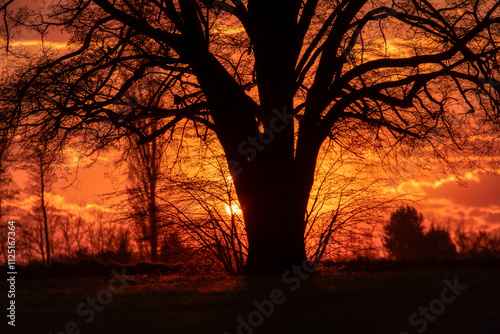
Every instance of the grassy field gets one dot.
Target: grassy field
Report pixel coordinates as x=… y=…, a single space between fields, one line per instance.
x=325 y=302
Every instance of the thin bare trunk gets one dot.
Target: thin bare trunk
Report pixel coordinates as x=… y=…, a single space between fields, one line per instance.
x=44 y=211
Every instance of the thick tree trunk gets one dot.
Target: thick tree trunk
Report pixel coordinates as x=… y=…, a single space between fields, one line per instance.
x=273 y=171
x=276 y=239
x=274 y=198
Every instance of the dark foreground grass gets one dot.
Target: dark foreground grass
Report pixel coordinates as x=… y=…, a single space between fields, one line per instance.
x=328 y=302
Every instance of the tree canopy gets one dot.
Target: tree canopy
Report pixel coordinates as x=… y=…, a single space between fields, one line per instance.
x=405 y=238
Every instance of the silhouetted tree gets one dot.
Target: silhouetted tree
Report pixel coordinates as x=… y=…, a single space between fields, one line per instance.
x=404 y=234
x=145 y=166
x=150 y=215
x=285 y=77
x=144 y=176
x=438 y=243
x=477 y=243
x=38 y=226
x=405 y=238
x=43 y=164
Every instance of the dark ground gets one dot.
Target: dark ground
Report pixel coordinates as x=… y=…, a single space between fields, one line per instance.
x=327 y=302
